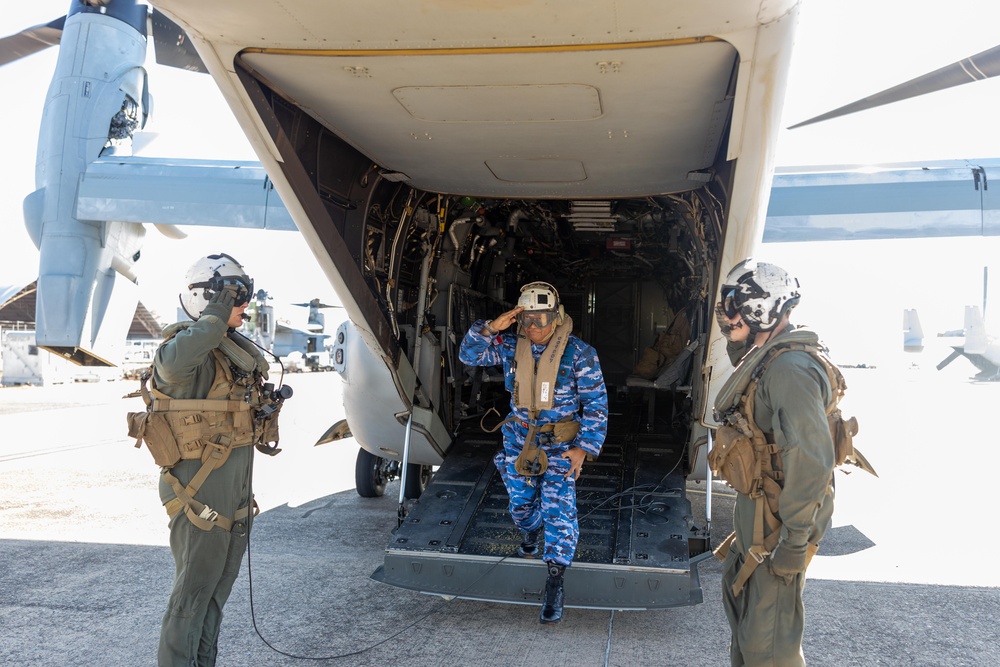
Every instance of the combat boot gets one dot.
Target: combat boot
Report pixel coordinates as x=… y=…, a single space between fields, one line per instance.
x=529 y=545
x=552 y=605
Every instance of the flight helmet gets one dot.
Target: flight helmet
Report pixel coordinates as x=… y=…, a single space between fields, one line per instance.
x=209 y=275
x=762 y=293
x=541 y=305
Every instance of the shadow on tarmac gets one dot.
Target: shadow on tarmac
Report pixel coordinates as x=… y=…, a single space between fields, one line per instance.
x=69 y=603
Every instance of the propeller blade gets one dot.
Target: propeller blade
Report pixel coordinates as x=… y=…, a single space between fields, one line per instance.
x=950 y=358
x=975 y=68
x=316 y=305
x=170 y=231
x=172 y=46
x=31 y=40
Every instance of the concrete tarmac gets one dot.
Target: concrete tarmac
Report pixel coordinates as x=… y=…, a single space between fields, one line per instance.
x=906 y=577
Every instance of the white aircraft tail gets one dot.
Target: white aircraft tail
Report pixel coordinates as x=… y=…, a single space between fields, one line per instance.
x=975 y=331
x=913 y=333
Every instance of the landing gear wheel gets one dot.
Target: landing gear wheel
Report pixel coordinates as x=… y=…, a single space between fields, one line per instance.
x=417 y=479
x=371 y=474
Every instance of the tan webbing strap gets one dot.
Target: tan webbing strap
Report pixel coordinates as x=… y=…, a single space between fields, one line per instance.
x=144 y=390
x=762 y=546
x=764 y=452
x=722 y=550
x=836 y=379
x=174 y=505
x=201 y=515
x=496 y=428
x=199 y=405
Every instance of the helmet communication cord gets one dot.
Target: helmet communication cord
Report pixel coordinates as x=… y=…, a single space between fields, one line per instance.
x=253 y=616
x=438 y=607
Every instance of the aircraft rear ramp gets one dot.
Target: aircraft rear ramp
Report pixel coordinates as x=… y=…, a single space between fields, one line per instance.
x=636 y=534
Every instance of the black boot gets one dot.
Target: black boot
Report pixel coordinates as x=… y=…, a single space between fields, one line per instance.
x=552 y=605
x=529 y=545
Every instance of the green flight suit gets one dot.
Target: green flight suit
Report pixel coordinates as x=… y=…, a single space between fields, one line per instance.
x=207 y=562
x=767 y=619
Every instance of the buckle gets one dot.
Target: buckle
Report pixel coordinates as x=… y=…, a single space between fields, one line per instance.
x=759 y=557
x=208 y=514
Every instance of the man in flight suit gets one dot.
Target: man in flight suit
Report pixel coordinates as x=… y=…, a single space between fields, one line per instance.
x=210 y=524
x=765 y=612
x=559 y=415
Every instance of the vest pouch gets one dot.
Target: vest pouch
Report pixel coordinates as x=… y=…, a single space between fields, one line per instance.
x=732 y=459
x=153 y=429
x=843 y=431
x=565 y=431
x=136 y=425
x=532 y=461
x=271 y=430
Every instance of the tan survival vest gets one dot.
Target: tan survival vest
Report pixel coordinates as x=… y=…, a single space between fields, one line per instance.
x=534 y=390
x=206 y=429
x=743 y=456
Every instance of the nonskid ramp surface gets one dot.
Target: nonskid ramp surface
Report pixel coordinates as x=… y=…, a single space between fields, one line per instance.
x=458 y=538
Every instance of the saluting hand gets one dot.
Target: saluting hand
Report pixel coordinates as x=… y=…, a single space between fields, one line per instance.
x=504 y=320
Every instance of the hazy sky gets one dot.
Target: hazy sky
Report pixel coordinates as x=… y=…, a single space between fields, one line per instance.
x=845 y=50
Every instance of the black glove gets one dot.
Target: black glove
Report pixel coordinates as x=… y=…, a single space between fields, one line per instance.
x=786 y=562
x=225 y=296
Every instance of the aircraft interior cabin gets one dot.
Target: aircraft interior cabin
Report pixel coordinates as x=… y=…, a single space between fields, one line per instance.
x=633 y=273
x=632 y=293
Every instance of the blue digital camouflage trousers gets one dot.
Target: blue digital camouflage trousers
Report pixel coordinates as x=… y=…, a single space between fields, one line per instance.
x=548 y=500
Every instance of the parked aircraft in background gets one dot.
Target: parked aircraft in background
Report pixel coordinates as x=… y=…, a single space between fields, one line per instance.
x=289 y=337
x=978 y=346
x=435 y=159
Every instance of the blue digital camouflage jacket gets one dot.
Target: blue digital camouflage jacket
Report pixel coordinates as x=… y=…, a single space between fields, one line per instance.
x=579 y=388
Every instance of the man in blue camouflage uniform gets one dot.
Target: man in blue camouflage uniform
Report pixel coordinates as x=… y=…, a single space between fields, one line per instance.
x=559 y=415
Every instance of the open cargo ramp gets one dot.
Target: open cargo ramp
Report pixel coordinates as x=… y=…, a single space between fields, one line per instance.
x=636 y=543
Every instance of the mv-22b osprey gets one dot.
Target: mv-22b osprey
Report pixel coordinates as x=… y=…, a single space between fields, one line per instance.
x=436 y=156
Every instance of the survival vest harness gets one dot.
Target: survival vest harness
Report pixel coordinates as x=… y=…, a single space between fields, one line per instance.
x=207 y=429
x=752 y=465
x=534 y=390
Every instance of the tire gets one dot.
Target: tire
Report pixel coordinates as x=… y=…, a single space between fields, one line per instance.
x=370 y=474
x=417 y=478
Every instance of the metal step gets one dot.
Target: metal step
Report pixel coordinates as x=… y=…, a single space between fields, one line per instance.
x=458 y=539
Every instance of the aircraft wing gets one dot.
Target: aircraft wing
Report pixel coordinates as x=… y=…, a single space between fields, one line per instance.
x=286 y=329
x=913 y=200
x=212 y=193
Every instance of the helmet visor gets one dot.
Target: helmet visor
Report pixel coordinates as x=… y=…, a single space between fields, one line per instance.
x=732 y=300
x=536 y=318
x=243 y=287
